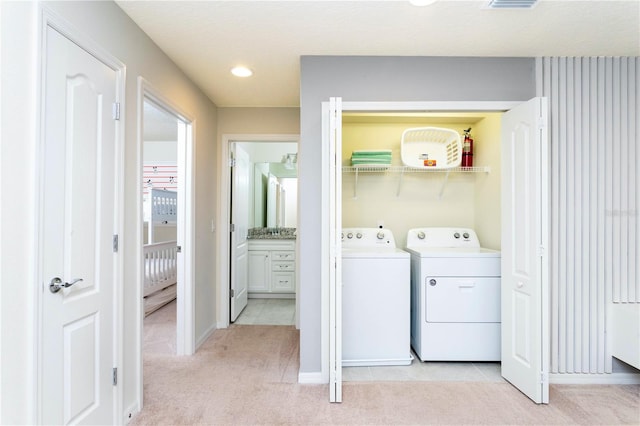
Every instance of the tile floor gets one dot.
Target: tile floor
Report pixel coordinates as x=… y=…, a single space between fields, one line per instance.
x=268 y=312
x=426 y=371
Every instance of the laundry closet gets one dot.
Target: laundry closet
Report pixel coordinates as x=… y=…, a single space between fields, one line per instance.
x=398 y=199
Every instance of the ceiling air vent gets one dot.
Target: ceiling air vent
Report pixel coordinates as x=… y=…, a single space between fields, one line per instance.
x=511 y=4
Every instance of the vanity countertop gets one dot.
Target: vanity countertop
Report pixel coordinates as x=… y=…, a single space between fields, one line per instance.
x=272 y=234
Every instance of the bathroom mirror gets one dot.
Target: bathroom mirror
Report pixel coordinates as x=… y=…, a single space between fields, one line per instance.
x=275 y=193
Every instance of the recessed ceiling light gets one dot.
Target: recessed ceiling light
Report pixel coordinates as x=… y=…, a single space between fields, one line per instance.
x=241 y=71
x=422 y=2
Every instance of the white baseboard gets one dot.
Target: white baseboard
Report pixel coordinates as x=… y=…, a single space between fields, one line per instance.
x=205 y=336
x=130 y=413
x=594 y=379
x=314 y=378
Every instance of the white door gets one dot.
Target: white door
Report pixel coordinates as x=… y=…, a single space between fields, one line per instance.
x=334 y=130
x=78 y=222
x=240 y=228
x=525 y=280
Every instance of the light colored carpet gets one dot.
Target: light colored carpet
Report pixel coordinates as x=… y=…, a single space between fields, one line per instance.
x=160 y=331
x=247 y=375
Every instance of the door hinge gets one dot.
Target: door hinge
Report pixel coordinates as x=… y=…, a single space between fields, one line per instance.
x=232 y=162
x=115 y=243
x=543 y=378
x=232 y=293
x=542 y=123
x=116 y=110
x=179 y=249
x=233 y=227
x=115 y=376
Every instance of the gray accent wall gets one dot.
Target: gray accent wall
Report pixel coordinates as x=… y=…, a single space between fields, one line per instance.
x=377 y=79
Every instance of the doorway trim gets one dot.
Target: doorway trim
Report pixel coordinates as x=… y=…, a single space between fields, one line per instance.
x=185 y=315
x=49 y=18
x=325 y=256
x=224 y=219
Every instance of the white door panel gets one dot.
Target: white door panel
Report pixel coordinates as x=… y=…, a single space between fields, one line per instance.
x=524 y=242
x=334 y=129
x=240 y=219
x=78 y=221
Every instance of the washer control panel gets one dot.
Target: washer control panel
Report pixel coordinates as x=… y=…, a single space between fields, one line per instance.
x=442 y=238
x=367 y=237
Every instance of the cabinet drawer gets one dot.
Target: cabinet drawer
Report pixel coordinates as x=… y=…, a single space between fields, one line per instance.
x=283 y=255
x=283 y=282
x=283 y=265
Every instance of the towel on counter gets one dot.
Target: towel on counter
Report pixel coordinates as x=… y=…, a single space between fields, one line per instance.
x=377 y=156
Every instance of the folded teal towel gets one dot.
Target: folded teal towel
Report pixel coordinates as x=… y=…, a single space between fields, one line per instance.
x=372 y=156
x=385 y=156
x=372 y=151
x=379 y=153
x=370 y=161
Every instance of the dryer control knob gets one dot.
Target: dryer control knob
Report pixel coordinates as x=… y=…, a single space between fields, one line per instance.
x=350 y=235
x=432 y=282
x=456 y=235
x=466 y=235
x=380 y=235
x=421 y=235
x=358 y=235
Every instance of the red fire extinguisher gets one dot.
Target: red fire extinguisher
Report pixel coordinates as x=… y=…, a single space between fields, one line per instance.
x=467 y=149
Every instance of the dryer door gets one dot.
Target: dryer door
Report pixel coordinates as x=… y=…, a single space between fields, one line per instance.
x=462 y=299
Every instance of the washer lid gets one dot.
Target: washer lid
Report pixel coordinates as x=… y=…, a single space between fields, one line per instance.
x=453 y=252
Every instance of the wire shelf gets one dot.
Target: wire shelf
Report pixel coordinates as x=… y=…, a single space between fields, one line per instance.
x=402 y=170
x=407 y=169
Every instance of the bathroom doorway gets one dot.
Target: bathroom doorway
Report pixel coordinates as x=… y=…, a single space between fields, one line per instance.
x=258 y=259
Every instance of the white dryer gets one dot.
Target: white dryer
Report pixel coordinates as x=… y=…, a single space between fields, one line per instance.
x=455 y=296
x=375 y=299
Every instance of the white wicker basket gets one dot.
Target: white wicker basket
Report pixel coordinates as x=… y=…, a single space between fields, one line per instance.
x=431 y=148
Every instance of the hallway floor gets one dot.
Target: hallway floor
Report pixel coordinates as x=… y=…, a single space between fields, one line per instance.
x=247 y=374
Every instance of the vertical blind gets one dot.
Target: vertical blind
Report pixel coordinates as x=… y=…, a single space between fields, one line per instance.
x=595 y=243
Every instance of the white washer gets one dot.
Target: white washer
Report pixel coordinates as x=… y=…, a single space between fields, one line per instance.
x=455 y=296
x=376 y=299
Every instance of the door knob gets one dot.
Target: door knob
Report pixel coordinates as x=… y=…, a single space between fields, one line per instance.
x=56 y=284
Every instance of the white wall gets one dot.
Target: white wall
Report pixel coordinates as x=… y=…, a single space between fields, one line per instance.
x=161 y=151
x=107 y=25
x=18 y=133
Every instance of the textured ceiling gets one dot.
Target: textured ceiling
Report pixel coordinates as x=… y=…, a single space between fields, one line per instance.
x=207 y=38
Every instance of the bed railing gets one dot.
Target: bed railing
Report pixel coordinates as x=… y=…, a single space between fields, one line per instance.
x=162 y=206
x=160 y=266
